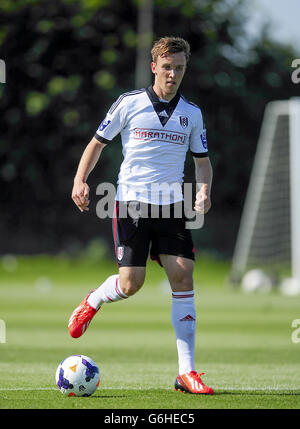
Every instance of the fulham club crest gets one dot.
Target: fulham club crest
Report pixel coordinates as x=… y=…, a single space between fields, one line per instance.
x=120 y=253
x=183 y=121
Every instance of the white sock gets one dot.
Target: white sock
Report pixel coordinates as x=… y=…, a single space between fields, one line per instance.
x=108 y=292
x=183 y=315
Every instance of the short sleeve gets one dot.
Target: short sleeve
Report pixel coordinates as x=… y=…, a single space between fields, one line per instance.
x=113 y=123
x=198 y=141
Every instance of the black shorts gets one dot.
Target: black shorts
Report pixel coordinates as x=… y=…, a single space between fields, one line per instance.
x=140 y=227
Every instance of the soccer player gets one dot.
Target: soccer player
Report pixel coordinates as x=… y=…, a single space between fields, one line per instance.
x=158 y=126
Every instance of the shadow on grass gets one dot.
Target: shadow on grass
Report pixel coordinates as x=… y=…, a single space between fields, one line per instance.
x=107 y=396
x=259 y=392
x=118 y=396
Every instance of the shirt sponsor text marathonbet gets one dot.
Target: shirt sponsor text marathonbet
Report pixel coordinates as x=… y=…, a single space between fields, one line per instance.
x=152 y=134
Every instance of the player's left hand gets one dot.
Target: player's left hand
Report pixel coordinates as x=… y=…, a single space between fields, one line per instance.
x=202 y=203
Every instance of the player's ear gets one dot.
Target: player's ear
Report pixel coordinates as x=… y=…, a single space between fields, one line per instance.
x=153 y=67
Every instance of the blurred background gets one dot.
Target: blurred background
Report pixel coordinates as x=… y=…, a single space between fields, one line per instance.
x=67 y=61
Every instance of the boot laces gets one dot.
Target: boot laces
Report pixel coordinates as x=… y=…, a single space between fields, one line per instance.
x=81 y=312
x=197 y=376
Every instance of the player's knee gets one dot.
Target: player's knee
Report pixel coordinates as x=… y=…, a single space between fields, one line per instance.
x=132 y=282
x=182 y=282
x=130 y=286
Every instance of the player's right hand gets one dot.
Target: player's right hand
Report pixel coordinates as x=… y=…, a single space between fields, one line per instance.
x=80 y=195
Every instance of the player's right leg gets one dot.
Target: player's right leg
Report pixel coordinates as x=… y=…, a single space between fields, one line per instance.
x=131 y=237
x=115 y=288
x=118 y=287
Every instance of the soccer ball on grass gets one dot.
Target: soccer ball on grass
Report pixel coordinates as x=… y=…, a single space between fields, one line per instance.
x=77 y=375
x=256 y=280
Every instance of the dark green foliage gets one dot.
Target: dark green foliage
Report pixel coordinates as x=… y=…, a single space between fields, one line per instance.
x=67 y=61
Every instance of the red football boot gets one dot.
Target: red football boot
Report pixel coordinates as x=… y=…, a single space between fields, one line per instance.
x=191 y=382
x=81 y=318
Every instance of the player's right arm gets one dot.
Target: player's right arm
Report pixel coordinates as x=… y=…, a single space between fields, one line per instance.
x=89 y=158
x=108 y=129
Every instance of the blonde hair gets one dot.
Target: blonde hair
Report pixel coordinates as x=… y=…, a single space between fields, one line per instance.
x=170 y=45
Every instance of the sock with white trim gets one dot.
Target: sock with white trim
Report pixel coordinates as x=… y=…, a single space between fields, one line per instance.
x=183 y=316
x=108 y=292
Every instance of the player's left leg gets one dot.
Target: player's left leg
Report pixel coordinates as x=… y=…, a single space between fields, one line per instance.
x=183 y=314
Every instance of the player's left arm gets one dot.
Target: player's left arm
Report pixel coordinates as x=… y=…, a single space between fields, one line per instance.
x=204 y=176
x=203 y=168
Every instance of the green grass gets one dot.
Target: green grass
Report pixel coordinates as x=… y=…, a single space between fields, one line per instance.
x=243 y=341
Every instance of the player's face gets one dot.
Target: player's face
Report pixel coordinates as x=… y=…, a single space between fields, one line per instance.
x=168 y=72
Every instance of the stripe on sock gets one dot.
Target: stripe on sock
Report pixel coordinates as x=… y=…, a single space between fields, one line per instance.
x=180 y=295
x=118 y=290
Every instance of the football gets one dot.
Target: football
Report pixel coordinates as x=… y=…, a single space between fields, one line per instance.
x=256 y=281
x=77 y=375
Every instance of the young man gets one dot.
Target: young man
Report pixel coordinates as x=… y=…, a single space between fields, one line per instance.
x=157 y=126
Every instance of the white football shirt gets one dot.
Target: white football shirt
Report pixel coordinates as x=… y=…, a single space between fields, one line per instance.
x=155 y=139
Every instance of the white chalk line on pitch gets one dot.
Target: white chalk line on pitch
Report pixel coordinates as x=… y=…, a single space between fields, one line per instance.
x=228 y=389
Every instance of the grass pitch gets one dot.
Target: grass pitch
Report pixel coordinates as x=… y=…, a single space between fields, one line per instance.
x=243 y=342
